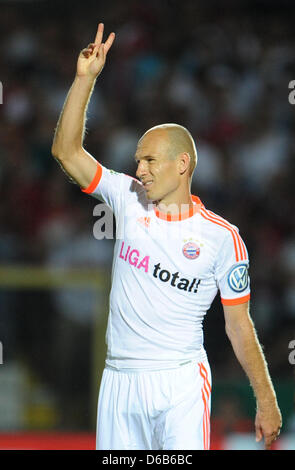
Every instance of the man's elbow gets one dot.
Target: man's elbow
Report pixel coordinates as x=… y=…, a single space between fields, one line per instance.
x=58 y=153
x=59 y=146
x=54 y=152
x=230 y=331
x=239 y=331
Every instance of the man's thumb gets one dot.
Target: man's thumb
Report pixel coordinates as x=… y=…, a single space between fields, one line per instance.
x=258 y=434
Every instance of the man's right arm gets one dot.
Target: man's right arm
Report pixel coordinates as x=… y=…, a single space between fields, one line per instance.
x=67 y=145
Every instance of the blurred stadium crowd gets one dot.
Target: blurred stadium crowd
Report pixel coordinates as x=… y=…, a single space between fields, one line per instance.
x=221 y=72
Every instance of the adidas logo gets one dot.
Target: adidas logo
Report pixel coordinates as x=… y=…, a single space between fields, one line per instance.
x=145 y=221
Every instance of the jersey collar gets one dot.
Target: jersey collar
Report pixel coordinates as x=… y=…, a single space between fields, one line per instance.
x=197 y=203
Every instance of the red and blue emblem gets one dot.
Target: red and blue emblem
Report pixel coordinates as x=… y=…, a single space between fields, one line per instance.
x=191 y=250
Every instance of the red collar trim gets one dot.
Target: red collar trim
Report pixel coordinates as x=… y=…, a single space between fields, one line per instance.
x=181 y=216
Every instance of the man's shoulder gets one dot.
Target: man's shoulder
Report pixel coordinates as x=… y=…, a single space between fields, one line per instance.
x=225 y=233
x=217 y=222
x=219 y=229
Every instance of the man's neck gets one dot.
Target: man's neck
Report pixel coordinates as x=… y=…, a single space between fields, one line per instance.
x=175 y=205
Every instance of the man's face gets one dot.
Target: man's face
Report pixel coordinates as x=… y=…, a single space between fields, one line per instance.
x=158 y=173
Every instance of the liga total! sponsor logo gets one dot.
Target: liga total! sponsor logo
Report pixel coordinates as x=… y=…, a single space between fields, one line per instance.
x=136 y=260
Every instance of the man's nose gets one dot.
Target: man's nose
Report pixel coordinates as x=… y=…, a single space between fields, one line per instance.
x=141 y=169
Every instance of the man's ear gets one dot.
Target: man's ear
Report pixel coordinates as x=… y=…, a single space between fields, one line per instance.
x=184 y=162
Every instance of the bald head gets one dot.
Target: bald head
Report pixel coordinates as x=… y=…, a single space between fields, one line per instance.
x=179 y=141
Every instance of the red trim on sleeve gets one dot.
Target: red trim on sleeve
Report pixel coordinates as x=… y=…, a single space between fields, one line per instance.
x=95 y=181
x=240 y=300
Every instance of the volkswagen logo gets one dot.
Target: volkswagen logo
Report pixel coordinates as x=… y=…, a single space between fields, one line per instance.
x=238 y=278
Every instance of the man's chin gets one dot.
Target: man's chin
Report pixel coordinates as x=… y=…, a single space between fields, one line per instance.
x=150 y=196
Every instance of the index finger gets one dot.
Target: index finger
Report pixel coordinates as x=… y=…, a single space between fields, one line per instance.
x=109 y=42
x=99 y=34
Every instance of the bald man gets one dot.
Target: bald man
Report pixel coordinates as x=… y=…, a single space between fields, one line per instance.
x=171 y=257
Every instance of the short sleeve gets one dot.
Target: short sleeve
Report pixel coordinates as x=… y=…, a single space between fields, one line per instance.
x=231 y=270
x=116 y=190
x=106 y=186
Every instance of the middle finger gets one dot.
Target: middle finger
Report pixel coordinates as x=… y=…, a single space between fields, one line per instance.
x=99 y=34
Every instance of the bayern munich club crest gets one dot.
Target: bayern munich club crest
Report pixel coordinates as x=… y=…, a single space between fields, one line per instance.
x=191 y=250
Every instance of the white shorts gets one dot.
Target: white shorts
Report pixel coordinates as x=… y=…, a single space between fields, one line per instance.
x=155 y=410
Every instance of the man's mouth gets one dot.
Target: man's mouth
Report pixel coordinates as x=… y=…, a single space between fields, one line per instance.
x=147 y=184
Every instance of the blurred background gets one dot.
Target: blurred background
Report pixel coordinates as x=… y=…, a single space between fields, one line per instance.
x=221 y=69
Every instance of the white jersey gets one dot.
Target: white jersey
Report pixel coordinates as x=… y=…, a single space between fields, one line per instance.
x=166 y=273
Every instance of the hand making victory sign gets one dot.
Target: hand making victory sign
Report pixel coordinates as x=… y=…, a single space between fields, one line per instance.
x=67 y=145
x=91 y=60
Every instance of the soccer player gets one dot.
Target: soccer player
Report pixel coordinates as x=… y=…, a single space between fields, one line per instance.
x=171 y=257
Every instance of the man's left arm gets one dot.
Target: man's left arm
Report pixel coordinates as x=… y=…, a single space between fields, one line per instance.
x=242 y=335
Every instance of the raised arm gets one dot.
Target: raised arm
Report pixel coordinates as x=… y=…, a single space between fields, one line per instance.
x=241 y=332
x=67 y=145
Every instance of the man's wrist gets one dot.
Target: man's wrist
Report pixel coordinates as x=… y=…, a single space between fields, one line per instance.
x=267 y=403
x=85 y=80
